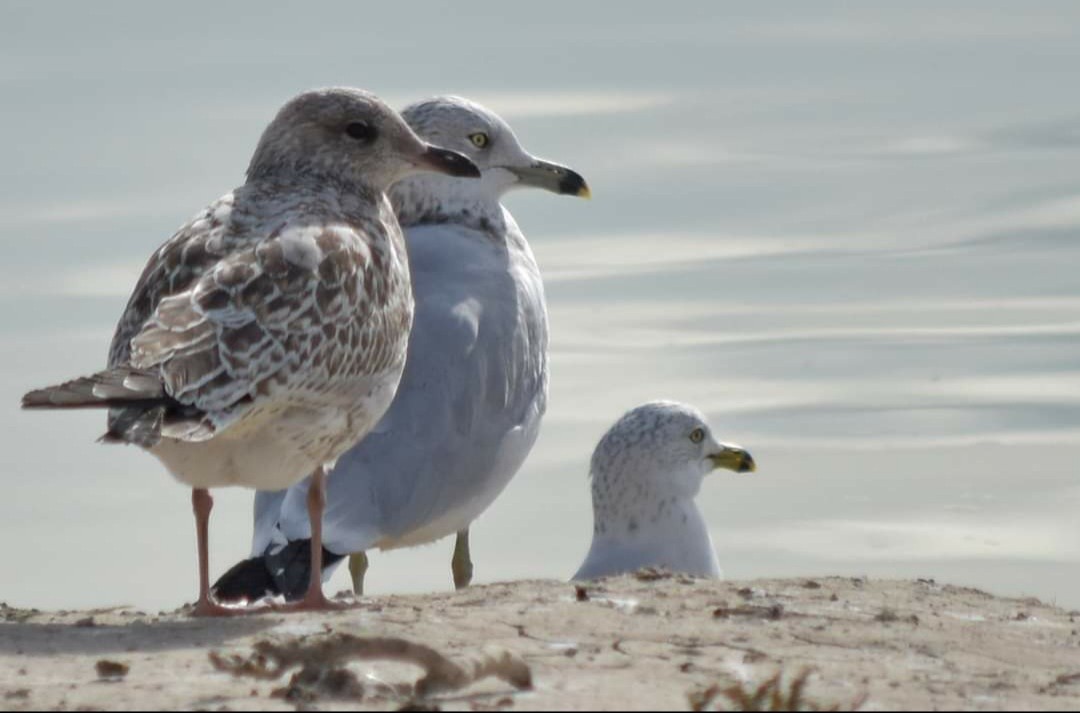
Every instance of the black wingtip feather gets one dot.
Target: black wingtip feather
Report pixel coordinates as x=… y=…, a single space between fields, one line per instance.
x=286 y=572
x=246 y=581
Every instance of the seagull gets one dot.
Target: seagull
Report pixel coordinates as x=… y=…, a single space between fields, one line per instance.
x=469 y=406
x=269 y=333
x=646 y=472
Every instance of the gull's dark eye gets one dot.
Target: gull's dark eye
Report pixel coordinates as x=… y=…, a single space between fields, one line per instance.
x=361 y=131
x=697 y=435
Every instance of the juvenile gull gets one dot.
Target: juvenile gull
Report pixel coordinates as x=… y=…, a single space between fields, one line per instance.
x=475 y=386
x=269 y=333
x=646 y=472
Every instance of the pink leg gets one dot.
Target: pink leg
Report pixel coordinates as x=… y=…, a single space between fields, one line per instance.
x=202 y=504
x=315 y=600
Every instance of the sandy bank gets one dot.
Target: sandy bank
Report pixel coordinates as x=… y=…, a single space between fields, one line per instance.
x=633 y=642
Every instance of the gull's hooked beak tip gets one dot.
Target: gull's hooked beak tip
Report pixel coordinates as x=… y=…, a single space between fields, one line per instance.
x=572 y=183
x=735 y=459
x=551 y=177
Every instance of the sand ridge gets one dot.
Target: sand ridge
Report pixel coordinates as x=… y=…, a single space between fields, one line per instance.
x=648 y=641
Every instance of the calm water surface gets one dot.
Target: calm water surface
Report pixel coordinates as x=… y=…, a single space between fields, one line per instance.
x=846 y=232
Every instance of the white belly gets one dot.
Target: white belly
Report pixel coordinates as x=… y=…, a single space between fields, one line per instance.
x=465 y=506
x=282 y=440
x=673 y=543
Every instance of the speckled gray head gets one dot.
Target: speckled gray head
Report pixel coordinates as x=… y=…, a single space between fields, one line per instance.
x=663 y=449
x=351 y=136
x=465 y=126
x=646 y=472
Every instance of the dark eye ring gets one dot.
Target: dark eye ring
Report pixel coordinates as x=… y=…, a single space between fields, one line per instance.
x=697 y=435
x=361 y=131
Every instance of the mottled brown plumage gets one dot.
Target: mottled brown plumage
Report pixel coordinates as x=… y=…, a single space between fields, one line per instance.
x=260 y=294
x=269 y=333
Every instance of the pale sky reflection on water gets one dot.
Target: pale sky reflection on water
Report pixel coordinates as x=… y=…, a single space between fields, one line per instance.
x=846 y=232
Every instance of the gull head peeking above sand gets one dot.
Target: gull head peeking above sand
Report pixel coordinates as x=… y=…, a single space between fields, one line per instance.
x=646 y=471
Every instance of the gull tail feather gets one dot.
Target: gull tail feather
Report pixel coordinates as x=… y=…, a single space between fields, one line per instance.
x=121 y=386
x=139 y=407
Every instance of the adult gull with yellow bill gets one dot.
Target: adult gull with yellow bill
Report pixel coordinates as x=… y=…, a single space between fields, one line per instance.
x=646 y=472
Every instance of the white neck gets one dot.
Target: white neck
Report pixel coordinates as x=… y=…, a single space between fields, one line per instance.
x=672 y=536
x=431 y=198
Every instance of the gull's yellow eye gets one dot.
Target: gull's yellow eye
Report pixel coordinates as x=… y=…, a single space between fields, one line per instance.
x=479 y=139
x=697 y=435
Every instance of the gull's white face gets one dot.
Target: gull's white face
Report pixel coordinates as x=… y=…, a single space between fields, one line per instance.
x=468 y=128
x=478 y=134
x=665 y=449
